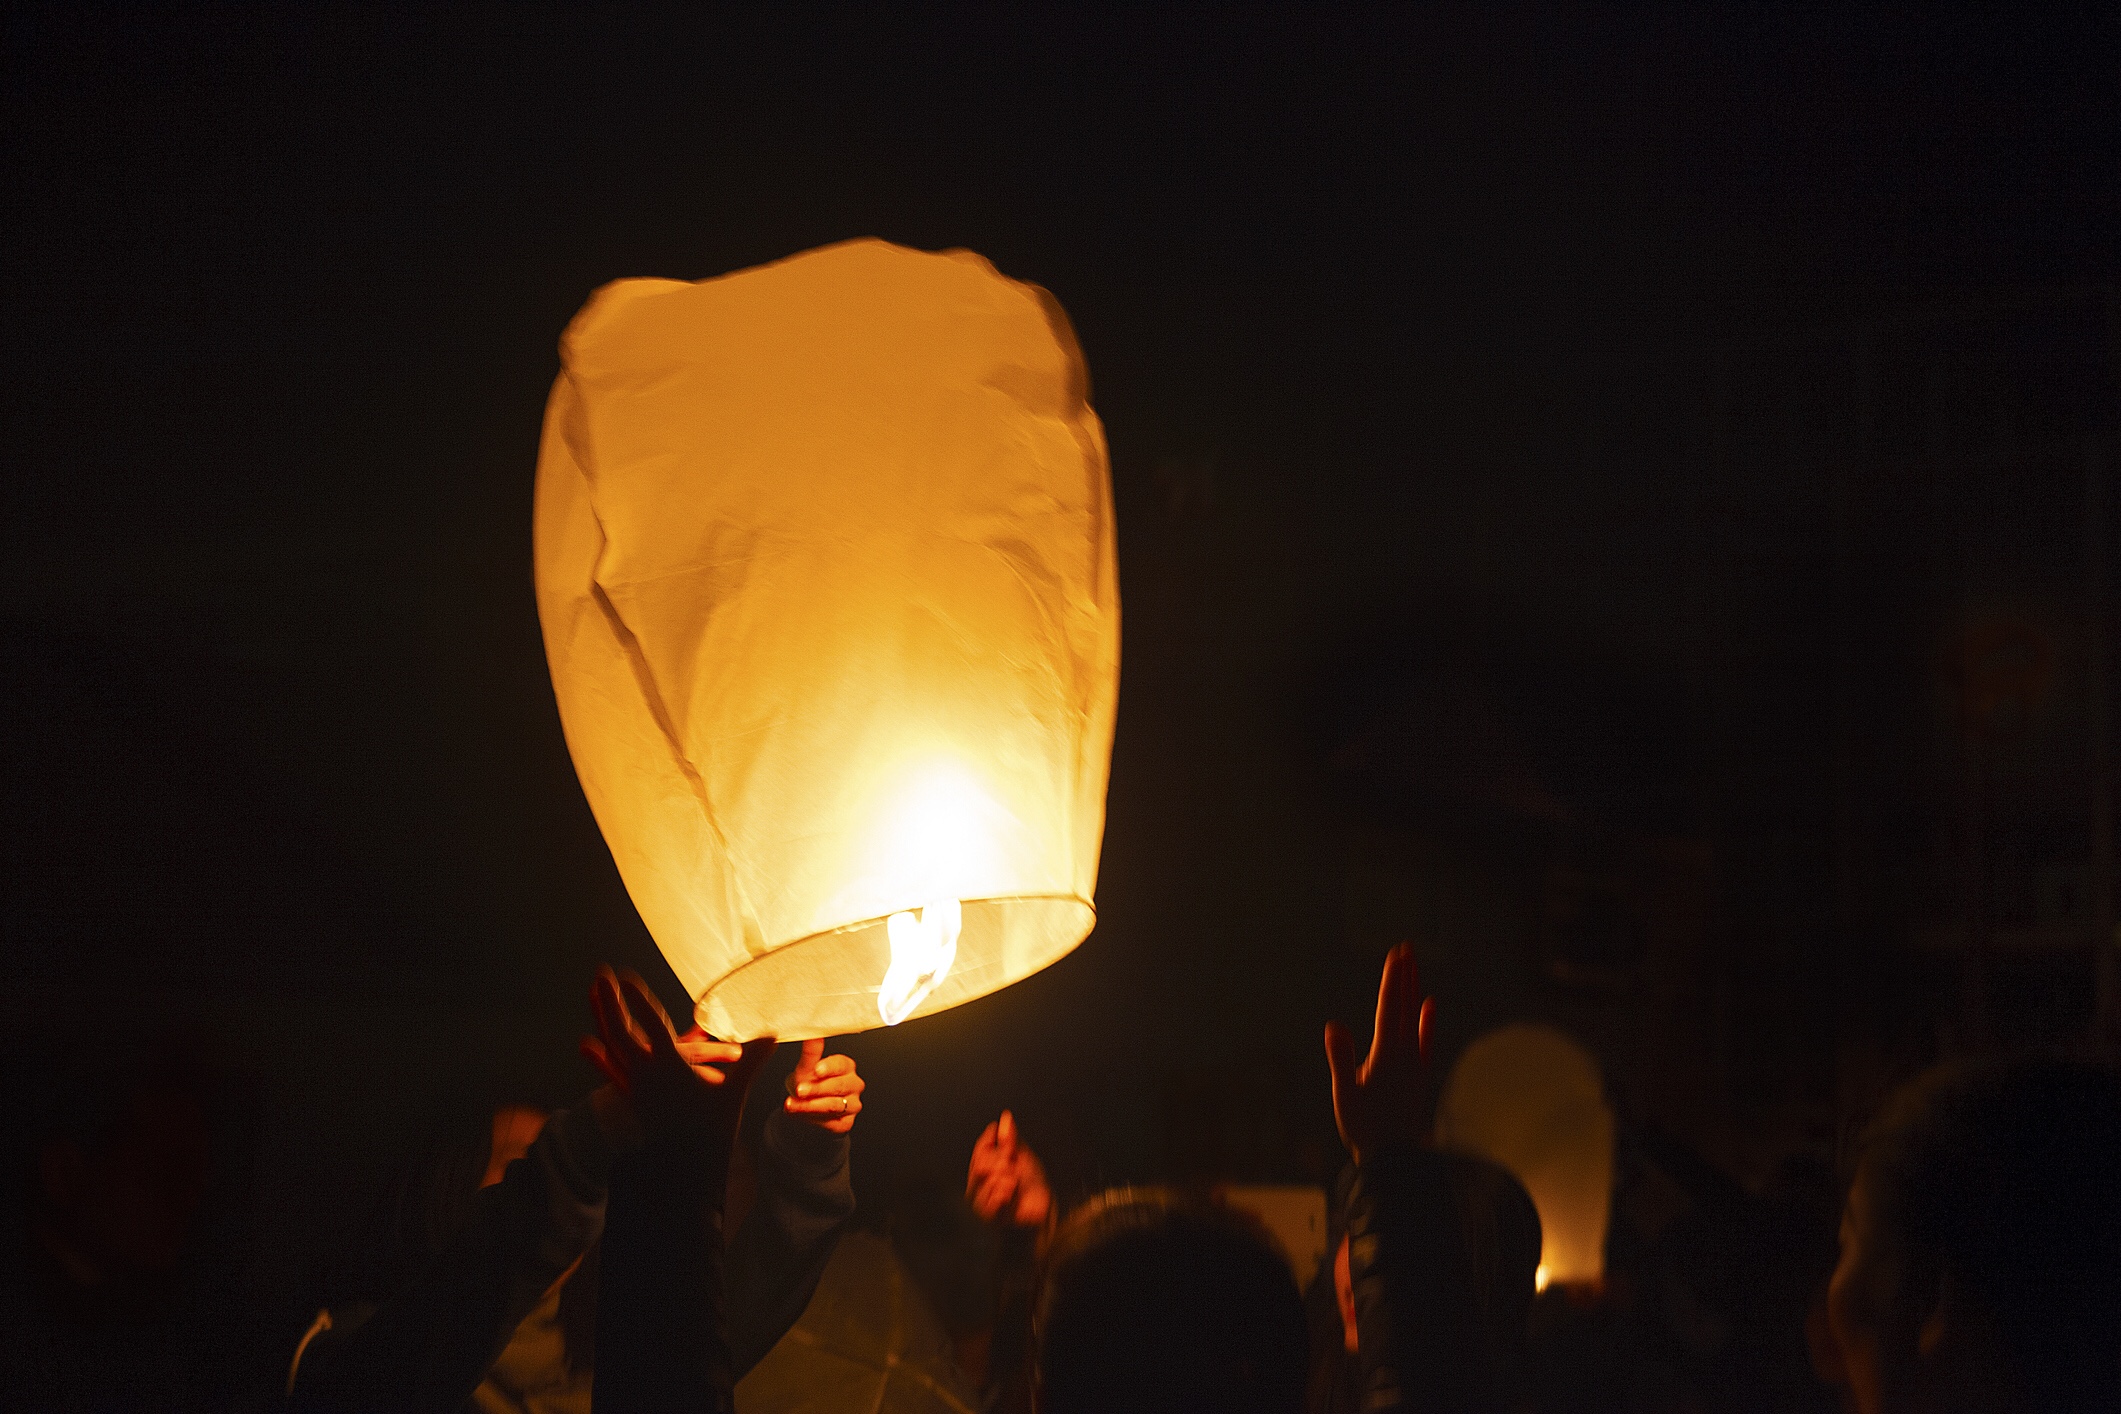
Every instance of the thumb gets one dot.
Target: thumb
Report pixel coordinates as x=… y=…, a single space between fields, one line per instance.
x=813 y=1052
x=1340 y=1057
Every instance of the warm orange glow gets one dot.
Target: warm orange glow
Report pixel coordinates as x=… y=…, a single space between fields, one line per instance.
x=1531 y=1099
x=825 y=564
x=1539 y=1278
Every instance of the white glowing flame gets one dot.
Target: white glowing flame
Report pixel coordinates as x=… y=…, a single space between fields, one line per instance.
x=1539 y=1277
x=923 y=945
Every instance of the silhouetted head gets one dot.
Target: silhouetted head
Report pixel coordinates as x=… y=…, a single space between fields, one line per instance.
x=1981 y=1244
x=1151 y=1303
x=123 y=1159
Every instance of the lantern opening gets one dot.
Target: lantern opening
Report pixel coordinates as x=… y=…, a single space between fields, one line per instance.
x=827 y=984
x=923 y=945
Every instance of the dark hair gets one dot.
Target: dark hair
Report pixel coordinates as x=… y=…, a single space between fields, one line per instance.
x=2001 y=1174
x=428 y=1203
x=1500 y=1229
x=1150 y=1302
x=428 y=1199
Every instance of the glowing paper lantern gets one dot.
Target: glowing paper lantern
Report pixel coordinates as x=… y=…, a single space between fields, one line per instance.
x=1530 y=1099
x=825 y=565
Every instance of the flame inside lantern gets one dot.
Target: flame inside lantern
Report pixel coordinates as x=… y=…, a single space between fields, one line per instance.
x=942 y=842
x=923 y=945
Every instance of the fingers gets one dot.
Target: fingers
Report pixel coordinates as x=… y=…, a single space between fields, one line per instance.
x=704 y=1054
x=830 y=1068
x=837 y=1094
x=647 y=1012
x=1406 y=999
x=709 y=1051
x=1398 y=998
x=813 y=1054
x=1028 y=1168
x=828 y=1107
x=1382 y=1027
x=1340 y=1057
x=1032 y=1208
x=991 y=1195
x=840 y=1081
x=1428 y=1016
x=593 y=1051
x=832 y=1106
x=622 y=1042
x=983 y=1159
x=698 y=1036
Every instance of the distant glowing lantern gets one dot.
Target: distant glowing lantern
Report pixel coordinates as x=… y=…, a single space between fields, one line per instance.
x=1530 y=1099
x=825 y=565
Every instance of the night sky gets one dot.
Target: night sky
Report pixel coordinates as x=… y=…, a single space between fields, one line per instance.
x=283 y=286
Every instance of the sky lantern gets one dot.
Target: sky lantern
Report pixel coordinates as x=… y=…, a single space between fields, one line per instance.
x=826 y=570
x=1530 y=1099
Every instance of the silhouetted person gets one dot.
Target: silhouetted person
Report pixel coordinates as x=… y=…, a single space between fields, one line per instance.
x=1441 y=1249
x=1006 y=1188
x=1151 y=1304
x=1981 y=1245
x=109 y=1303
x=491 y=1278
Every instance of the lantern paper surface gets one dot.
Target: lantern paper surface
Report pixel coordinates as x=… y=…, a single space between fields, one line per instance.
x=826 y=570
x=1530 y=1099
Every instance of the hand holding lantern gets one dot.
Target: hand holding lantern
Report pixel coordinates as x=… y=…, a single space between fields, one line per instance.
x=672 y=1088
x=824 y=1090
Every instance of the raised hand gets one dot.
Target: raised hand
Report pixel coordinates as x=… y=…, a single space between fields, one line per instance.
x=1005 y=1181
x=1378 y=1104
x=688 y=1088
x=824 y=1090
x=700 y=1050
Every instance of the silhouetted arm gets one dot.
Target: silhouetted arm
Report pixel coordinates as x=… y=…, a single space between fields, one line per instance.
x=662 y=1341
x=779 y=1251
x=662 y=1344
x=429 y=1346
x=1417 y=1305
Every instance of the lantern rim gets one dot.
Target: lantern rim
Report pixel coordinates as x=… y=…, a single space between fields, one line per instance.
x=944 y=997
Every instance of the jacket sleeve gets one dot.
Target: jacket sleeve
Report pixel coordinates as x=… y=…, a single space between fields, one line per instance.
x=1418 y=1302
x=429 y=1346
x=662 y=1340
x=805 y=1197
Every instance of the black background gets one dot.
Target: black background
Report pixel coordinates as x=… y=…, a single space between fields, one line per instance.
x=282 y=291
